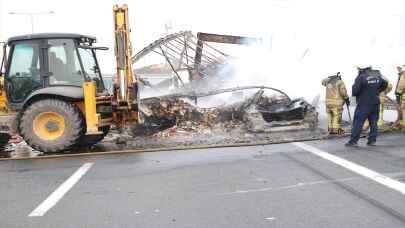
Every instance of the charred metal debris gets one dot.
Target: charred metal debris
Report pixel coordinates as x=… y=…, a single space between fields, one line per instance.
x=173 y=103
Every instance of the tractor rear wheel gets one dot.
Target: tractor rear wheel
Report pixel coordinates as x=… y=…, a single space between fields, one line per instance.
x=51 y=125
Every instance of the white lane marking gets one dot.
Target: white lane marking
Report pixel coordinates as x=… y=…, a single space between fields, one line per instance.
x=57 y=195
x=361 y=170
x=304 y=184
x=287 y=187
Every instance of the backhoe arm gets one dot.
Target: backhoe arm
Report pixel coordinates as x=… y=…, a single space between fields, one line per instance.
x=125 y=86
x=3 y=97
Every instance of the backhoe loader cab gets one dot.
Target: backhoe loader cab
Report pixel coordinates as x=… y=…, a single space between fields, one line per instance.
x=52 y=92
x=48 y=60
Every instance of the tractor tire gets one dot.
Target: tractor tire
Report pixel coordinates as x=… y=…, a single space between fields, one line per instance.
x=51 y=125
x=90 y=140
x=4 y=138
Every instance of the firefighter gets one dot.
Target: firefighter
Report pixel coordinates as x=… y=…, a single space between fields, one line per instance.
x=336 y=97
x=400 y=94
x=366 y=88
x=382 y=96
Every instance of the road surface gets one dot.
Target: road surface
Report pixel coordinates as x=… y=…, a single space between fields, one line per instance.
x=311 y=184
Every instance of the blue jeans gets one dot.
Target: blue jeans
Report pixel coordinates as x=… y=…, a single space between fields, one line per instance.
x=363 y=113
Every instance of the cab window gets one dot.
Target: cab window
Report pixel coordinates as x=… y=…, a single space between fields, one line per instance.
x=90 y=67
x=64 y=65
x=24 y=74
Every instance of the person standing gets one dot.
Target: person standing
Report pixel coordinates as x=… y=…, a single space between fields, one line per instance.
x=400 y=95
x=366 y=88
x=383 y=94
x=336 y=97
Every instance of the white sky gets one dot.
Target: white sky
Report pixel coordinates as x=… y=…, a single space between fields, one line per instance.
x=337 y=33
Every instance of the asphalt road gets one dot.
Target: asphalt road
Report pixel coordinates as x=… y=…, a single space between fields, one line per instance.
x=282 y=185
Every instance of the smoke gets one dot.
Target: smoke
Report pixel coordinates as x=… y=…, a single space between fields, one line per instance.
x=297 y=61
x=299 y=72
x=310 y=40
x=257 y=65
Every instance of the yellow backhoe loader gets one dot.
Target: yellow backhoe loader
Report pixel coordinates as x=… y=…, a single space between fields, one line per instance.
x=52 y=91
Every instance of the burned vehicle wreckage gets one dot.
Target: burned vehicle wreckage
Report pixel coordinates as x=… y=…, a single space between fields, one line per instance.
x=189 y=90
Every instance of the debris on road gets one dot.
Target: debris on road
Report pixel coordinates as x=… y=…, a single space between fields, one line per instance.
x=179 y=114
x=202 y=72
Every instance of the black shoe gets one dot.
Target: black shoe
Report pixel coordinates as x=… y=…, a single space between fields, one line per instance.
x=351 y=144
x=371 y=143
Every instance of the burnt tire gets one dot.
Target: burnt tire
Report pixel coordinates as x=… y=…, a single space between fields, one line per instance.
x=89 y=140
x=38 y=128
x=4 y=138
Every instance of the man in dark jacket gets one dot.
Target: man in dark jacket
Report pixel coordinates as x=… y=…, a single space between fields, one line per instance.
x=367 y=87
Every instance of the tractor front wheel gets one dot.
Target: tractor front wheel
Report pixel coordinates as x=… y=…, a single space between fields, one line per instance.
x=51 y=125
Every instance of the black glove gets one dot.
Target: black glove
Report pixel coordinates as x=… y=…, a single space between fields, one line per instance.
x=398 y=98
x=347 y=101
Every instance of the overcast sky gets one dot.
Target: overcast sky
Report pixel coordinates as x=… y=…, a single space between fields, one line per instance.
x=337 y=33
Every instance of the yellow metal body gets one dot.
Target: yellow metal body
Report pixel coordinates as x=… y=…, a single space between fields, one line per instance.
x=92 y=117
x=125 y=89
x=123 y=53
x=3 y=97
x=49 y=125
